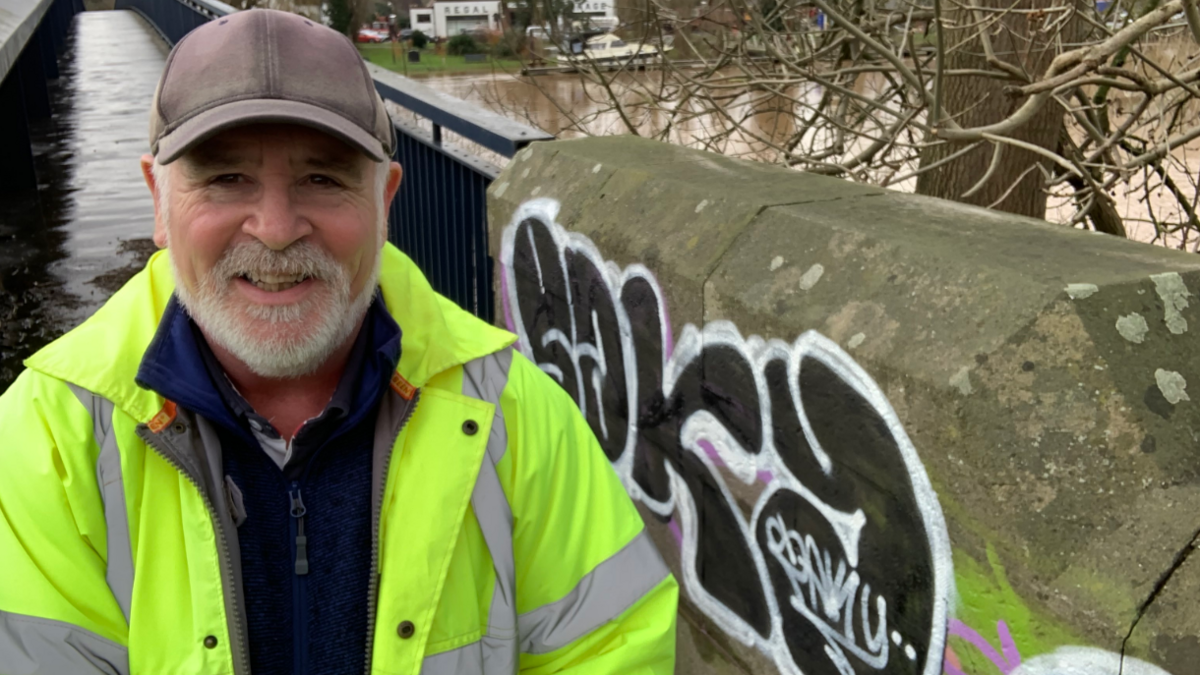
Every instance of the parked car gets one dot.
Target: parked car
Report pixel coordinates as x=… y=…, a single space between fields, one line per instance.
x=371 y=35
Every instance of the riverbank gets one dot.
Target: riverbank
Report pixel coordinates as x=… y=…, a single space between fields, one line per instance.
x=431 y=63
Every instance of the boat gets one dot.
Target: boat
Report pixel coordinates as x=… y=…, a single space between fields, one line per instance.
x=608 y=50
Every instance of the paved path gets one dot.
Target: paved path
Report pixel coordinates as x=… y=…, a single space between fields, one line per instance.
x=65 y=255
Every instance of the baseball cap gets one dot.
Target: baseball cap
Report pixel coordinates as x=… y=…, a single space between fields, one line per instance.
x=264 y=65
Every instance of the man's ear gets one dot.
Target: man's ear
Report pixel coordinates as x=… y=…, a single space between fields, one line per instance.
x=160 y=227
x=395 y=173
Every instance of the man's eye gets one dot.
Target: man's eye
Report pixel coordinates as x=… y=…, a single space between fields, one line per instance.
x=227 y=179
x=318 y=179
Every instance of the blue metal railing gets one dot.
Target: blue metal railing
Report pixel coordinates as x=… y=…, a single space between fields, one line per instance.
x=439 y=217
x=175 y=18
x=32 y=35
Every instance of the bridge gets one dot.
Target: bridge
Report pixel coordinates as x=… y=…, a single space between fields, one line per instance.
x=73 y=120
x=871 y=432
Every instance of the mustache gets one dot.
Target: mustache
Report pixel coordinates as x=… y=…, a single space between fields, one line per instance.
x=253 y=257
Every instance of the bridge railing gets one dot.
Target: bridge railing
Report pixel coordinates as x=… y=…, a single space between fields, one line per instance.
x=32 y=35
x=175 y=18
x=439 y=217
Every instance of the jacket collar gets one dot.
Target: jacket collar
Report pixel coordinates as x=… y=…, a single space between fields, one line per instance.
x=181 y=367
x=102 y=355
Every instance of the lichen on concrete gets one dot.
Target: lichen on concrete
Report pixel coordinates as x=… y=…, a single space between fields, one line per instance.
x=811 y=277
x=1133 y=327
x=1172 y=385
x=1174 y=294
x=962 y=380
x=1081 y=291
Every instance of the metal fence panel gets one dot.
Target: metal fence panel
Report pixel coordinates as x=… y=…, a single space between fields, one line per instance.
x=32 y=35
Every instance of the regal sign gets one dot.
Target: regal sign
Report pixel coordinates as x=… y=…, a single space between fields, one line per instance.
x=470 y=9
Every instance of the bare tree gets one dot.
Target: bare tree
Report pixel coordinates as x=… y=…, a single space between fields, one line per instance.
x=1047 y=108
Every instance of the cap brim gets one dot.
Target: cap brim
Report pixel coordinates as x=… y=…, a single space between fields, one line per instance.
x=211 y=122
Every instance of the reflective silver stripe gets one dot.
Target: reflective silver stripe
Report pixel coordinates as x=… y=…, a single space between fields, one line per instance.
x=485 y=379
x=483 y=657
x=33 y=646
x=112 y=491
x=601 y=596
x=466 y=660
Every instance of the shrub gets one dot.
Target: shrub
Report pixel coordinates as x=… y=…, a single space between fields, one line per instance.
x=509 y=46
x=462 y=44
x=419 y=39
x=340 y=15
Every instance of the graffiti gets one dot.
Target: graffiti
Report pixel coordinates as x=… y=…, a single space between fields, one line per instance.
x=1086 y=661
x=1006 y=660
x=841 y=566
x=1062 y=661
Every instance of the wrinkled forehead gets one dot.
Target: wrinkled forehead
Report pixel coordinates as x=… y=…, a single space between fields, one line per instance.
x=255 y=145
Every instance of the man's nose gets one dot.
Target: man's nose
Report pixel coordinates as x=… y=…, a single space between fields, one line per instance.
x=276 y=221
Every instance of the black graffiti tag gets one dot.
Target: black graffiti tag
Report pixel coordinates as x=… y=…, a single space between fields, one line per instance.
x=843 y=566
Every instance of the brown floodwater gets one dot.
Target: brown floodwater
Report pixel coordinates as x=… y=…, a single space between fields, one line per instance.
x=566 y=106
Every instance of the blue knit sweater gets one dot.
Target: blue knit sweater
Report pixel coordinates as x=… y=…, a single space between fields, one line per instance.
x=306 y=605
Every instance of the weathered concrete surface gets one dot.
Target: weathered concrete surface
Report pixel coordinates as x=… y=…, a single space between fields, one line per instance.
x=613 y=196
x=1038 y=370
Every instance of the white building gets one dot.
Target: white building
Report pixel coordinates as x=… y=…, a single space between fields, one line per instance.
x=421 y=19
x=601 y=13
x=447 y=19
x=587 y=15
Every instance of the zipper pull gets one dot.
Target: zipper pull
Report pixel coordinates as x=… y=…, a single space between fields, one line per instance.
x=298 y=512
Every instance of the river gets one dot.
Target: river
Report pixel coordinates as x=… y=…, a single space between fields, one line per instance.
x=563 y=105
x=87 y=230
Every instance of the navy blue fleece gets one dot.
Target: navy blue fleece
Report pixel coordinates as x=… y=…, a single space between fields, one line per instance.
x=315 y=622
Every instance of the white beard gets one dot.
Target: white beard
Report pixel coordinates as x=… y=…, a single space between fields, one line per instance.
x=285 y=341
x=281 y=341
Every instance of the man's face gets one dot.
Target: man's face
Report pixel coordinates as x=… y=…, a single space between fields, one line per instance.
x=275 y=234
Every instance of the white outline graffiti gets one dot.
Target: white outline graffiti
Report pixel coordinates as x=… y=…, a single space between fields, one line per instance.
x=826 y=597
x=825 y=585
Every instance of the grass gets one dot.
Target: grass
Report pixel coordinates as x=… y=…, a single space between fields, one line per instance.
x=381 y=55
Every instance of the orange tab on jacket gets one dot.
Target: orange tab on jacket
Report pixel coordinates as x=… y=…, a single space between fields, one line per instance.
x=163 y=418
x=402 y=387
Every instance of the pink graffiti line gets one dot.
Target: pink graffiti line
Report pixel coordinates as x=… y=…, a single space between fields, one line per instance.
x=675 y=531
x=508 y=317
x=764 y=476
x=1006 y=662
x=952 y=666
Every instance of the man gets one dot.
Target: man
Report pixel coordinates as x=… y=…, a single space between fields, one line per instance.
x=277 y=450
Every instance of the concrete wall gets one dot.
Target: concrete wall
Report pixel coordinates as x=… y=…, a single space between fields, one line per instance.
x=871 y=432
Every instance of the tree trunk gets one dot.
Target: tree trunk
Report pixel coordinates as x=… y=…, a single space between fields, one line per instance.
x=977 y=101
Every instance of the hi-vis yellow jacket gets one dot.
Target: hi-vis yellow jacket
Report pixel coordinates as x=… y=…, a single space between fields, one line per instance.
x=504 y=539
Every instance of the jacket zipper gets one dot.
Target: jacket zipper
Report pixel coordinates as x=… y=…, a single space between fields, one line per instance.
x=241 y=665
x=298 y=510
x=299 y=580
x=376 y=515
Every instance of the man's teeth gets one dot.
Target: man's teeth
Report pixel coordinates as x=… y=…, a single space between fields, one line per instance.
x=273 y=283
